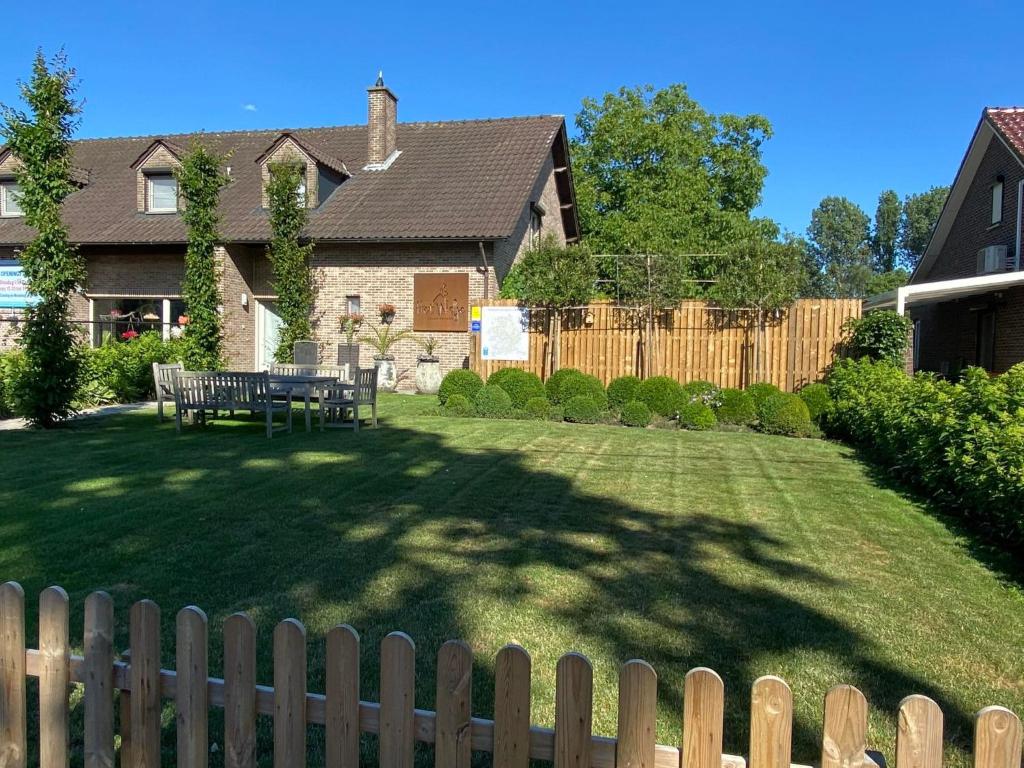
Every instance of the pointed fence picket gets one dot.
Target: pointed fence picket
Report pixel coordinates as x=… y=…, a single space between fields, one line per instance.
x=142 y=687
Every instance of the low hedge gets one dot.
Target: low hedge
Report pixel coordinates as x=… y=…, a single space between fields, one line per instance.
x=581 y=409
x=761 y=391
x=574 y=383
x=553 y=385
x=961 y=443
x=784 y=414
x=662 y=394
x=458 y=405
x=492 y=402
x=703 y=391
x=518 y=384
x=736 y=406
x=622 y=390
x=635 y=414
x=122 y=371
x=459 y=382
x=696 y=415
x=537 y=408
x=817 y=399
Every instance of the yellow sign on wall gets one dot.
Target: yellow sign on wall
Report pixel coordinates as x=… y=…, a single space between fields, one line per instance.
x=474 y=313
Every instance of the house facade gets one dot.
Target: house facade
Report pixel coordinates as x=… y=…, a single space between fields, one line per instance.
x=390 y=204
x=966 y=297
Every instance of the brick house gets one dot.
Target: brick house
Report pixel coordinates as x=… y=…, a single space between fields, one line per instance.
x=387 y=201
x=966 y=297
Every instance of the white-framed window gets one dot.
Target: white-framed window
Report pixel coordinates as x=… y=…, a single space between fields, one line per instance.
x=161 y=193
x=997 y=201
x=300 y=191
x=352 y=305
x=10 y=199
x=536 y=224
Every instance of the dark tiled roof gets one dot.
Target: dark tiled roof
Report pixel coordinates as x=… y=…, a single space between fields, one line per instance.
x=1009 y=121
x=453 y=180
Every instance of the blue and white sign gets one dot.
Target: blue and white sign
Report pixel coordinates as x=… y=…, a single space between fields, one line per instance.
x=14 y=286
x=474 y=326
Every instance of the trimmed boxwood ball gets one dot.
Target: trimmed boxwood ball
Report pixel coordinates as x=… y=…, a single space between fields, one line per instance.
x=761 y=391
x=520 y=385
x=636 y=414
x=622 y=390
x=553 y=385
x=662 y=394
x=492 y=402
x=537 y=408
x=817 y=399
x=458 y=405
x=696 y=415
x=736 y=407
x=784 y=414
x=459 y=382
x=587 y=385
x=698 y=388
x=582 y=409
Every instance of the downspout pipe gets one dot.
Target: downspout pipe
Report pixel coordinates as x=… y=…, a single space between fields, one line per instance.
x=486 y=269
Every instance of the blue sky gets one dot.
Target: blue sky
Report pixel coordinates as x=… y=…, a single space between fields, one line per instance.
x=862 y=96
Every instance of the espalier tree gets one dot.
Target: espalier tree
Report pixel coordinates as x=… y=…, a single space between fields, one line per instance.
x=200 y=179
x=289 y=258
x=40 y=139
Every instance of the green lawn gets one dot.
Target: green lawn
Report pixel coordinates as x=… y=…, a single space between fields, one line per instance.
x=743 y=552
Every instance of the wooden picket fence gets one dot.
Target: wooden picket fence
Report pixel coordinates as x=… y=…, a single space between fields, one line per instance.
x=697 y=340
x=455 y=733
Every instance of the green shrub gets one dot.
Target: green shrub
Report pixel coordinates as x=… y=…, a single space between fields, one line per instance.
x=586 y=385
x=784 y=414
x=122 y=371
x=736 y=407
x=696 y=415
x=557 y=413
x=518 y=384
x=581 y=409
x=458 y=405
x=881 y=336
x=761 y=391
x=11 y=364
x=817 y=399
x=553 y=385
x=703 y=391
x=636 y=414
x=492 y=402
x=662 y=394
x=459 y=382
x=537 y=408
x=622 y=390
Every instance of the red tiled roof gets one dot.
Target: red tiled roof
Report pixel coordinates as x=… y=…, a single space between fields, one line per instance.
x=453 y=180
x=1009 y=121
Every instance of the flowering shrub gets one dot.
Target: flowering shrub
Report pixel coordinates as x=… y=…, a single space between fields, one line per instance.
x=129 y=335
x=703 y=392
x=123 y=372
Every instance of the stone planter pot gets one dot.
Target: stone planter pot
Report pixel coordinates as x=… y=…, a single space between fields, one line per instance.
x=428 y=376
x=387 y=375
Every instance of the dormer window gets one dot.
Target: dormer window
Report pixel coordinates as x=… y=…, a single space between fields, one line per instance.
x=10 y=199
x=997 y=200
x=300 y=192
x=161 y=193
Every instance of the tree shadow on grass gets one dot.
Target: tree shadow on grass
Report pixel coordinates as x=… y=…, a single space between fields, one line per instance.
x=400 y=528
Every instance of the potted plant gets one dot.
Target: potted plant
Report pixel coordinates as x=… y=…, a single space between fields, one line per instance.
x=382 y=339
x=428 y=367
x=387 y=313
x=348 y=353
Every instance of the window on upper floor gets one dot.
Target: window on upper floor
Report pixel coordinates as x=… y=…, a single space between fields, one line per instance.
x=997 y=201
x=300 y=192
x=10 y=199
x=536 y=223
x=161 y=193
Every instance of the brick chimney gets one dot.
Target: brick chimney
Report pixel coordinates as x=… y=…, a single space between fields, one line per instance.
x=381 y=122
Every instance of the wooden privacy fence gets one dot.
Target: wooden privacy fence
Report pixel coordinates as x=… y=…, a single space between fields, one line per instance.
x=695 y=341
x=451 y=728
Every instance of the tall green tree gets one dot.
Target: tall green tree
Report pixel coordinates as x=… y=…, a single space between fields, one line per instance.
x=656 y=173
x=40 y=139
x=839 y=237
x=200 y=180
x=289 y=258
x=885 y=236
x=920 y=215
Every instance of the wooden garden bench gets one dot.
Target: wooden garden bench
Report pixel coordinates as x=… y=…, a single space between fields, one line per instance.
x=200 y=392
x=163 y=382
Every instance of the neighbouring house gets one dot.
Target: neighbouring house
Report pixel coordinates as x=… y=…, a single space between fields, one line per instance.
x=966 y=297
x=391 y=205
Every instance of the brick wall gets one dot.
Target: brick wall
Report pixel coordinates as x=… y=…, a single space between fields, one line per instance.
x=382 y=117
x=290 y=152
x=237 y=264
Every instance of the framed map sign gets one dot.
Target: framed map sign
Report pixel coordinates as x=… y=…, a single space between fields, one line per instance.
x=505 y=333
x=14 y=286
x=440 y=301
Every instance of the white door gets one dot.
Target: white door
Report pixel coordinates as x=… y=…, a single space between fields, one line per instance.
x=268 y=325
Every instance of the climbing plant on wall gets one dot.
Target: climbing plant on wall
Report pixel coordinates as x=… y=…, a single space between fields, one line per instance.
x=289 y=258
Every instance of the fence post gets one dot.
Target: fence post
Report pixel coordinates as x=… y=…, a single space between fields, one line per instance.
x=512 y=708
x=13 y=718
x=638 y=713
x=574 y=700
x=397 y=700
x=997 y=739
x=844 y=737
x=289 y=694
x=342 y=694
x=703 y=713
x=191 y=701
x=239 y=692
x=452 y=732
x=919 y=734
x=54 y=678
x=99 y=681
x=771 y=723
x=124 y=710
x=145 y=705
